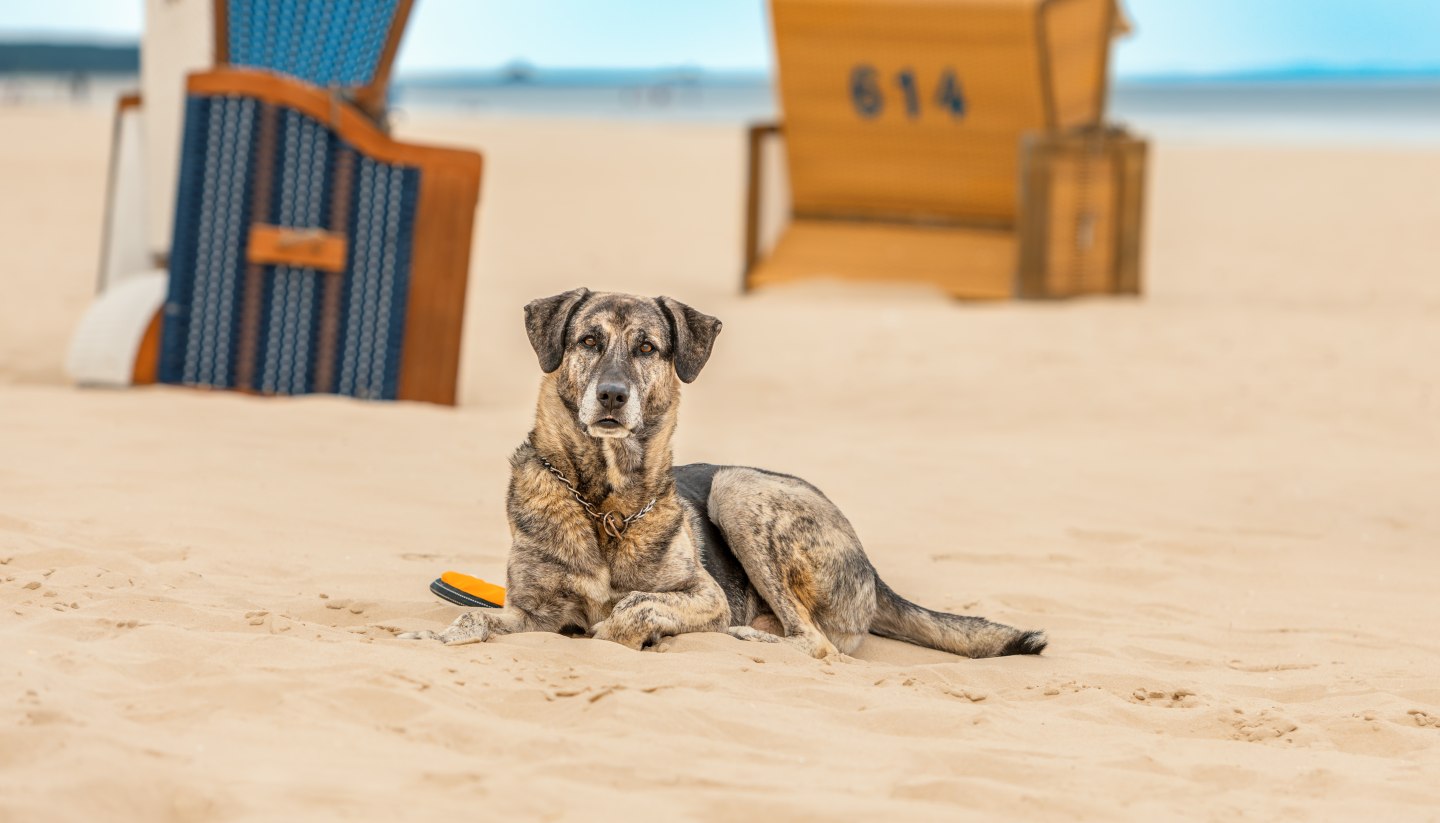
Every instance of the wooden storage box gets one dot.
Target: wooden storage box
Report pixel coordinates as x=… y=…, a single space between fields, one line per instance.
x=1082 y=202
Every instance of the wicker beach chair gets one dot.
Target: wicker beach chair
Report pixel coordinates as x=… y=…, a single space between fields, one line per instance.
x=309 y=252
x=952 y=142
x=344 y=46
x=312 y=253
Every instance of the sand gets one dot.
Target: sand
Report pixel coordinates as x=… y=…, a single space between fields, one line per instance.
x=1221 y=502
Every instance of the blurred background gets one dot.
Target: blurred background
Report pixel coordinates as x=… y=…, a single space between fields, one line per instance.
x=1297 y=69
x=615 y=136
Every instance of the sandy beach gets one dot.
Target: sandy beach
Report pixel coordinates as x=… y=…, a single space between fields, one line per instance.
x=1221 y=501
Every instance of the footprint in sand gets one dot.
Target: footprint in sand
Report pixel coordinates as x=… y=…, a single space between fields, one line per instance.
x=1424 y=719
x=1177 y=699
x=114 y=580
x=1068 y=687
x=274 y=623
x=353 y=606
x=967 y=694
x=47 y=717
x=1241 y=666
x=1264 y=727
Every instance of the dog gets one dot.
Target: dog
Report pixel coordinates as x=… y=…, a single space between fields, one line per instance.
x=613 y=541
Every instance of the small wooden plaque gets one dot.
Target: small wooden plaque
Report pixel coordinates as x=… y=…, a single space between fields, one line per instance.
x=301 y=248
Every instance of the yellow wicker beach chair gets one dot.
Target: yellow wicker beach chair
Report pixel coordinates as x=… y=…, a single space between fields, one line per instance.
x=952 y=142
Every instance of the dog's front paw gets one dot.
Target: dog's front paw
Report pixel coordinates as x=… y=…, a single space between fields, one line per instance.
x=470 y=627
x=752 y=634
x=619 y=631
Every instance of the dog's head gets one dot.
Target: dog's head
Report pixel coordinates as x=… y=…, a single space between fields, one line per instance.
x=617 y=357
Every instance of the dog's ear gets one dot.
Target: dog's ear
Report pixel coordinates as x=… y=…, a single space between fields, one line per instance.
x=546 y=320
x=694 y=333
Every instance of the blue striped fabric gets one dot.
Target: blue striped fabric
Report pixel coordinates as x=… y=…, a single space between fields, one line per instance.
x=324 y=42
x=372 y=325
x=212 y=219
x=200 y=345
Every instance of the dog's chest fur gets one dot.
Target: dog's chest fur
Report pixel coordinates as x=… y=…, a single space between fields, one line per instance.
x=660 y=558
x=575 y=560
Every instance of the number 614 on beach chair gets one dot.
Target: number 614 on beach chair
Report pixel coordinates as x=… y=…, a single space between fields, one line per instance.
x=953 y=142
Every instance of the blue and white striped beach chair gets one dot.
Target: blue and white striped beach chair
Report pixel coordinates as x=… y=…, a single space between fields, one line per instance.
x=293 y=256
x=311 y=252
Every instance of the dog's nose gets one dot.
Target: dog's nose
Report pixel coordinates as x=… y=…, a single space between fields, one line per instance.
x=612 y=395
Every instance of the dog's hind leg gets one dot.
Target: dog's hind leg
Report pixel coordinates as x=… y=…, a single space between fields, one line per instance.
x=800 y=554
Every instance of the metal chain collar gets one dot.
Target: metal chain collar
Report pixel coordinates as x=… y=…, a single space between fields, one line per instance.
x=611 y=521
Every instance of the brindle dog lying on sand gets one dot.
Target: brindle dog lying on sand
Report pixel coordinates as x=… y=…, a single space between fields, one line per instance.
x=613 y=541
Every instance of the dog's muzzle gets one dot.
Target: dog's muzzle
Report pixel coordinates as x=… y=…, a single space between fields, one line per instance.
x=609 y=409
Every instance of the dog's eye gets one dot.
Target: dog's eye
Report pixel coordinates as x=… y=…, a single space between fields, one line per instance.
x=589 y=342
x=646 y=348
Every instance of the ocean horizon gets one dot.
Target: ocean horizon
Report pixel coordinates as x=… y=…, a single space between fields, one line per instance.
x=1301 y=104
x=1293 y=104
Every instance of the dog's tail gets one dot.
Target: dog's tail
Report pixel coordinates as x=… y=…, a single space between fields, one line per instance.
x=900 y=619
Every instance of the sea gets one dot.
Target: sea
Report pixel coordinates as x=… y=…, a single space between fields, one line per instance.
x=1288 y=107
x=1296 y=107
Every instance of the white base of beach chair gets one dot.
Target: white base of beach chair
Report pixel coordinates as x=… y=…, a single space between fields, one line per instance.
x=103 y=350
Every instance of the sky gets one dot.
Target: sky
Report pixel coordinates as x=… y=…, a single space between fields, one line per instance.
x=1173 y=37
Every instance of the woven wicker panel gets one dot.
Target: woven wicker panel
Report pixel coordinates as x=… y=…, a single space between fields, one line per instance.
x=914 y=109
x=323 y=42
x=283 y=329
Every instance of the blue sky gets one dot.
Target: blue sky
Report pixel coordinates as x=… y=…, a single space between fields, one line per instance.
x=1173 y=37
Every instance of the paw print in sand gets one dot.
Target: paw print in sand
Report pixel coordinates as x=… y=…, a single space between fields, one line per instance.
x=1424 y=719
x=1175 y=699
x=1264 y=726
